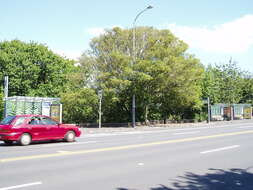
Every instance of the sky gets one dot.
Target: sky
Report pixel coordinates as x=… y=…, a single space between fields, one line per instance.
x=215 y=30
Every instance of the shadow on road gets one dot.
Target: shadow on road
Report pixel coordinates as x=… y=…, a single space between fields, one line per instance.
x=216 y=179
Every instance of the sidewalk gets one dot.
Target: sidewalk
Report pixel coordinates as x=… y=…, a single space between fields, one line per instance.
x=160 y=126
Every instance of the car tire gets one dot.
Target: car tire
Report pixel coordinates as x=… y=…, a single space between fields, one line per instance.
x=8 y=142
x=25 y=139
x=70 y=136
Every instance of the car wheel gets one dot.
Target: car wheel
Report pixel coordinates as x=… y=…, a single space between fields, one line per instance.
x=8 y=142
x=70 y=136
x=25 y=139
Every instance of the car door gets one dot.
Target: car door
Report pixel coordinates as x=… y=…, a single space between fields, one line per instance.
x=53 y=129
x=37 y=130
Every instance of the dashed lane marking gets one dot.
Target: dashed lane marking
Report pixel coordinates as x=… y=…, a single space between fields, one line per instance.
x=63 y=151
x=220 y=149
x=21 y=186
x=245 y=127
x=186 y=133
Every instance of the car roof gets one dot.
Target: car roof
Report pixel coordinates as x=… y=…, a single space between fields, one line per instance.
x=30 y=115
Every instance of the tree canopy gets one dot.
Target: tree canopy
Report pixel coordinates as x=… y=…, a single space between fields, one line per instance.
x=33 y=69
x=163 y=75
x=226 y=83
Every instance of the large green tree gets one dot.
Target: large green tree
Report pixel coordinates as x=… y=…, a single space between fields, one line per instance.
x=79 y=98
x=33 y=69
x=163 y=76
x=224 y=83
x=247 y=89
x=80 y=105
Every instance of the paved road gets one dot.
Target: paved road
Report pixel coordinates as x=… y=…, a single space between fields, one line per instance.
x=187 y=158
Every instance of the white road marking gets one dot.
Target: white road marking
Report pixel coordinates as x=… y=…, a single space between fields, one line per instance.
x=63 y=151
x=246 y=127
x=97 y=135
x=20 y=186
x=140 y=164
x=186 y=133
x=220 y=149
x=66 y=144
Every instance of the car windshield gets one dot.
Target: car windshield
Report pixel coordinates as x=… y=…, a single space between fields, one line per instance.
x=19 y=121
x=7 y=120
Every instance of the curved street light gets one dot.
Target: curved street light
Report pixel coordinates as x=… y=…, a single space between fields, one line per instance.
x=134 y=56
x=134 y=28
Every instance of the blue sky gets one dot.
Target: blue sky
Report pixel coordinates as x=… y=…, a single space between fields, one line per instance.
x=214 y=30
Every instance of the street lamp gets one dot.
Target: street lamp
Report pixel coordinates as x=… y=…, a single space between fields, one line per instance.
x=100 y=95
x=6 y=86
x=134 y=56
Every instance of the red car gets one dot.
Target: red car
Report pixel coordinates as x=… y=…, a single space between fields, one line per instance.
x=27 y=128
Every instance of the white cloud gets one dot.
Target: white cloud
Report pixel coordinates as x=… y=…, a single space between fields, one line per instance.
x=69 y=54
x=96 y=31
x=231 y=37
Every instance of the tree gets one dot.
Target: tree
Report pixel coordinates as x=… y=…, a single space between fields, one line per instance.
x=163 y=74
x=79 y=98
x=247 y=89
x=80 y=105
x=211 y=85
x=231 y=82
x=33 y=69
x=223 y=83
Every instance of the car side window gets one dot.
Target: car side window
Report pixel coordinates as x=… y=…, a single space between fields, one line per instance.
x=35 y=121
x=48 y=121
x=19 y=121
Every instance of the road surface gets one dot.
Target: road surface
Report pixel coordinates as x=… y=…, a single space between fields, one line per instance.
x=215 y=157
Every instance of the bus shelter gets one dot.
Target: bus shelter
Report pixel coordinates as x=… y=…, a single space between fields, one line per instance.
x=247 y=111
x=238 y=111
x=231 y=111
x=17 y=105
x=217 y=112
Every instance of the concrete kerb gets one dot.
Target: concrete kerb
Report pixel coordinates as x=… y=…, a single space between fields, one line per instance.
x=159 y=127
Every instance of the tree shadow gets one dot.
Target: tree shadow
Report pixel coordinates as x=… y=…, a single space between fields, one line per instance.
x=215 y=179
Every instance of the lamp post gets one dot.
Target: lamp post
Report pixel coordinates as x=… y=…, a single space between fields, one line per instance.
x=208 y=110
x=100 y=95
x=134 y=56
x=6 y=86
